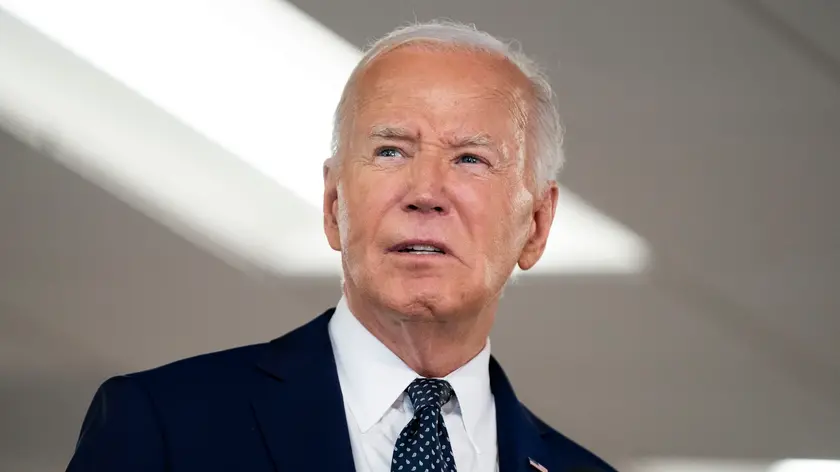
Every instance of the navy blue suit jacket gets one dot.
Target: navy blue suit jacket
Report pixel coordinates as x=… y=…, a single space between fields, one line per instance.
x=274 y=407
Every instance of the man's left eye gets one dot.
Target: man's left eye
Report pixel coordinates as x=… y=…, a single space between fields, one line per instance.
x=388 y=152
x=469 y=159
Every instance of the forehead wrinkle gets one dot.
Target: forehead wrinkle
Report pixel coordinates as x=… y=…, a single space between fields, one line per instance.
x=514 y=93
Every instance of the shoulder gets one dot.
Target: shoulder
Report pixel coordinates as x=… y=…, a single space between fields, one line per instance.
x=226 y=374
x=238 y=367
x=131 y=416
x=195 y=379
x=214 y=367
x=569 y=452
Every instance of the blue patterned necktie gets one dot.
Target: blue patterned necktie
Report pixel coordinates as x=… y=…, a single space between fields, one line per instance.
x=423 y=445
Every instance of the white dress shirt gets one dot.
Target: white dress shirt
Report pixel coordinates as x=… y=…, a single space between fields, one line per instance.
x=373 y=380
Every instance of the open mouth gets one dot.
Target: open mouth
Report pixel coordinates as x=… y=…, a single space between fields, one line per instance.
x=419 y=248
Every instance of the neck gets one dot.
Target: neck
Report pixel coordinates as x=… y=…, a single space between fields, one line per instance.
x=431 y=346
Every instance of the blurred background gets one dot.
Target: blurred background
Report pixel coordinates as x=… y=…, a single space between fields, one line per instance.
x=160 y=179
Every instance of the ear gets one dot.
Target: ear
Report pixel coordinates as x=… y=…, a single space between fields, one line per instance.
x=541 y=220
x=331 y=203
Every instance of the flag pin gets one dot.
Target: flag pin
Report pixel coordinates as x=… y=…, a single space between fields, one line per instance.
x=537 y=465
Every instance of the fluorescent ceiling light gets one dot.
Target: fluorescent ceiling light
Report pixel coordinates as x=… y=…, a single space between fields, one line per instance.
x=696 y=465
x=721 y=465
x=261 y=79
x=806 y=465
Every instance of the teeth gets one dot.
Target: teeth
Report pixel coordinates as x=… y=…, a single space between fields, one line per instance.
x=422 y=248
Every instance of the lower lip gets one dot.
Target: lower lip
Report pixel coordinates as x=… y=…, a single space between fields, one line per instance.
x=421 y=256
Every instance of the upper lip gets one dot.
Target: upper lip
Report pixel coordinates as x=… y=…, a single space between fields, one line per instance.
x=420 y=242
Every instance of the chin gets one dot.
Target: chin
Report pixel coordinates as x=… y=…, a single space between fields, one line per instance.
x=414 y=302
x=427 y=299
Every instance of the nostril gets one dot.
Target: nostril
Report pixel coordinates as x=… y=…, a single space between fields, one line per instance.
x=421 y=207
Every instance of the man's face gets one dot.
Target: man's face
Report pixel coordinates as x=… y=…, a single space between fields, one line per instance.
x=431 y=205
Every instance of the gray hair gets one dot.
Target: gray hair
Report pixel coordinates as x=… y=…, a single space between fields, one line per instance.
x=546 y=131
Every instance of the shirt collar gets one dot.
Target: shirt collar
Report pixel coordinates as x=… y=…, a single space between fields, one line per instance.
x=471 y=383
x=373 y=378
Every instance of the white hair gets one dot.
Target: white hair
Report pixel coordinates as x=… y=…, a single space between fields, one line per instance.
x=545 y=128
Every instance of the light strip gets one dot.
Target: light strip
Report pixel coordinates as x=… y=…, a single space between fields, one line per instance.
x=261 y=79
x=731 y=465
x=256 y=76
x=806 y=465
x=695 y=465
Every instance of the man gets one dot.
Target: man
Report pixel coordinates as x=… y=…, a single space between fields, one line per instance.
x=446 y=144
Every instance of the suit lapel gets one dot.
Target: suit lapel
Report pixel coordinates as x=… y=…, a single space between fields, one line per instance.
x=298 y=403
x=518 y=436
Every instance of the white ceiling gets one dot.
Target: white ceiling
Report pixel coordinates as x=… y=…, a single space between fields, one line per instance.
x=709 y=128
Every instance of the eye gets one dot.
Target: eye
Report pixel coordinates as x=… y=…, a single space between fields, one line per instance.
x=388 y=152
x=469 y=159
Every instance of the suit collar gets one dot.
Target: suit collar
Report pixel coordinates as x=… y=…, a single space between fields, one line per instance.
x=519 y=436
x=300 y=408
x=282 y=357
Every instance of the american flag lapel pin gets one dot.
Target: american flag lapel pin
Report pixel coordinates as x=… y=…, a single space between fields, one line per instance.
x=536 y=465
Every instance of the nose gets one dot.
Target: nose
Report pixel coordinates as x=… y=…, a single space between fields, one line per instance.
x=426 y=193
x=424 y=204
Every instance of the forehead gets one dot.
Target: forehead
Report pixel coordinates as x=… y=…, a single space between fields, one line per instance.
x=446 y=87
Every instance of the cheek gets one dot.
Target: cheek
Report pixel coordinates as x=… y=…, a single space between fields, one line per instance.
x=500 y=215
x=478 y=204
x=362 y=206
x=355 y=231
x=485 y=211
x=504 y=220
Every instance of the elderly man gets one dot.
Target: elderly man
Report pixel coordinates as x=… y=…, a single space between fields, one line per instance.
x=446 y=144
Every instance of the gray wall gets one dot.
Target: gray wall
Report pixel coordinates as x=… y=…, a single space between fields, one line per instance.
x=709 y=128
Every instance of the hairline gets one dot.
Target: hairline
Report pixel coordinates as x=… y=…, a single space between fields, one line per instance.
x=466 y=38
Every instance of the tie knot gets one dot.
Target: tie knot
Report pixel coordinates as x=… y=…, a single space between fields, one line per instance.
x=429 y=392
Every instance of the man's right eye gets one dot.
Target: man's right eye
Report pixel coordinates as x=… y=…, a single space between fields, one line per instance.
x=388 y=152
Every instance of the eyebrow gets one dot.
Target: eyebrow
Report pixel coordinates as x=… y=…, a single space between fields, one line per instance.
x=404 y=134
x=392 y=132
x=479 y=139
x=482 y=140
